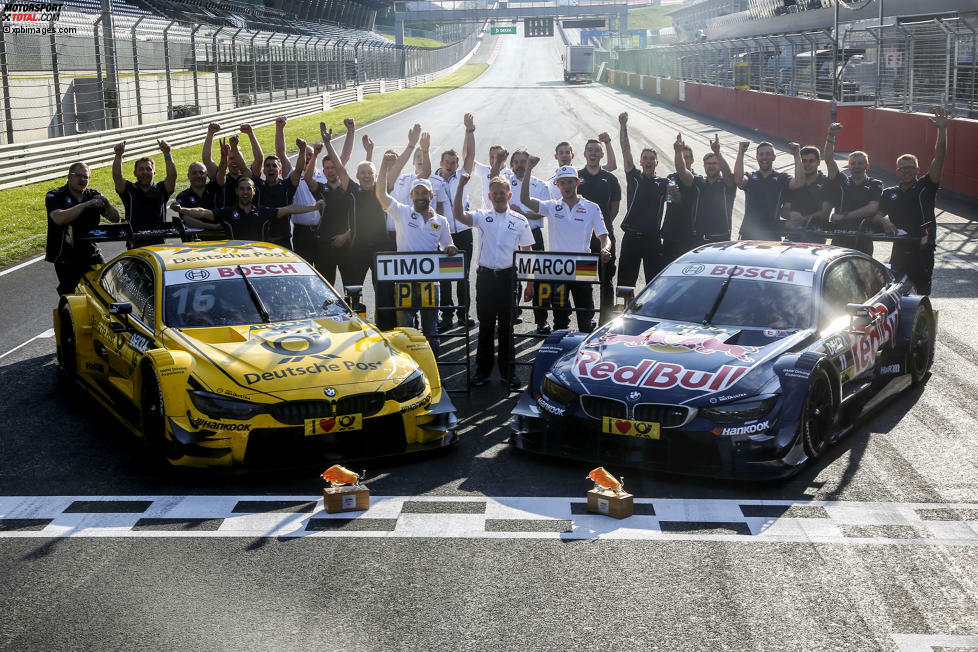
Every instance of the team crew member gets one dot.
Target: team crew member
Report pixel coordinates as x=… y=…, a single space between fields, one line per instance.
x=677 y=225
x=448 y=174
x=810 y=205
x=274 y=191
x=236 y=169
x=204 y=192
x=859 y=195
x=477 y=170
x=231 y=173
x=715 y=194
x=602 y=188
x=419 y=228
x=73 y=210
x=334 y=233
x=540 y=192
x=910 y=206
x=764 y=190
x=369 y=237
x=502 y=232
x=573 y=220
x=144 y=201
x=564 y=155
x=305 y=226
x=640 y=245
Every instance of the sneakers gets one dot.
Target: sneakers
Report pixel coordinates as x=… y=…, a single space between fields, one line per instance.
x=444 y=324
x=543 y=329
x=478 y=381
x=513 y=383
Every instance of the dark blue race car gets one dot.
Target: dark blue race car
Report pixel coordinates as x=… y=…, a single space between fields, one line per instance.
x=740 y=359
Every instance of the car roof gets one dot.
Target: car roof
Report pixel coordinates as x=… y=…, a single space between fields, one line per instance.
x=220 y=253
x=782 y=255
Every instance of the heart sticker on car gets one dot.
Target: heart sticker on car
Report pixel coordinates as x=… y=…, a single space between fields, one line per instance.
x=623 y=426
x=327 y=424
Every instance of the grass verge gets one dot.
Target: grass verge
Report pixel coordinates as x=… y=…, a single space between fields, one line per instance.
x=23 y=226
x=650 y=17
x=417 y=41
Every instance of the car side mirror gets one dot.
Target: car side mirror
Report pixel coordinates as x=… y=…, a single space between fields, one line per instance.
x=859 y=317
x=121 y=308
x=626 y=294
x=353 y=293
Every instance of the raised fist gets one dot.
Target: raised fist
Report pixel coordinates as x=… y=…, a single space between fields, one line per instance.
x=246 y=129
x=834 y=129
x=794 y=148
x=501 y=155
x=301 y=144
x=743 y=145
x=281 y=121
x=389 y=157
x=679 y=144
x=213 y=128
x=318 y=147
x=233 y=141
x=604 y=137
x=349 y=123
x=623 y=119
x=120 y=148
x=532 y=162
x=463 y=179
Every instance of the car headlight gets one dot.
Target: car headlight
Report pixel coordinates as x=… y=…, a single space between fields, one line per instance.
x=410 y=388
x=740 y=411
x=223 y=407
x=557 y=392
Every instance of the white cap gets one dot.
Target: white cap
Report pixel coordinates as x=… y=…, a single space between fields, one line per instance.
x=565 y=172
x=422 y=183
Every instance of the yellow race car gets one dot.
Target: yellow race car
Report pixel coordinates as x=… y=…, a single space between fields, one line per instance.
x=229 y=354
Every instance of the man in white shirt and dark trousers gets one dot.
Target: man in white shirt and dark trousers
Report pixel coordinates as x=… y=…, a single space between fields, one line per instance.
x=449 y=175
x=420 y=229
x=502 y=231
x=572 y=221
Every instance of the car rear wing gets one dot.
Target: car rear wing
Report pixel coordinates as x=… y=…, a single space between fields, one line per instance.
x=814 y=233
x=123 y=232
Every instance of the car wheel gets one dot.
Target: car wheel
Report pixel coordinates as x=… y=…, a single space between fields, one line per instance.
x=922 y=339
x=154 y=419
x=816 y=417
x=67 y=348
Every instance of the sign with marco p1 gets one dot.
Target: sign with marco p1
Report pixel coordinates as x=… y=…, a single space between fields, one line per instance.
x=502 y=30
x=551 y=266
x=417 y=267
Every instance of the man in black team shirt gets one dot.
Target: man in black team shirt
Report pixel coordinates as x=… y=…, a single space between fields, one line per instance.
x=228 y=196
x=677 y=223
x=641 y=244
x=274 y=191
x=203 y=192
x=810 y=205
x=73 y=210
x=144 y=201
x=910 y=206
x=333 y=238
x=858 y=195
x=601 y=187
x=713 y=195
x=243 y=221
x=764 y=190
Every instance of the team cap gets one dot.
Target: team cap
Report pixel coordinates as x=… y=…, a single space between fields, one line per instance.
x=423 y=183
x=565 y=172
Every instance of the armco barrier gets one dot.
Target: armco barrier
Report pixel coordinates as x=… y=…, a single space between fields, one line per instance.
x=883 y=133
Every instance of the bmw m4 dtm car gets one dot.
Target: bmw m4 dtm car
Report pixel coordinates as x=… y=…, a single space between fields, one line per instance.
x=740 y=359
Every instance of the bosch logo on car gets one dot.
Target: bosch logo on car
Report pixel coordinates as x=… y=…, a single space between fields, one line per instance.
x=197 y=275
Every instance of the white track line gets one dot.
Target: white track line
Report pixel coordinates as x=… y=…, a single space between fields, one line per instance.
x=10 y=270
x=48 y=333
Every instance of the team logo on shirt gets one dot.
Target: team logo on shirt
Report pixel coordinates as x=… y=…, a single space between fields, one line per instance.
x=488 y=218
x=894 y=196
x=559 y=207
x=436 y=226
x=513 y=226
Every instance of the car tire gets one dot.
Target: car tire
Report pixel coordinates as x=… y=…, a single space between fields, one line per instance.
x=817 y=414
x=67 y=348
x=154 y=418
x=921 y=350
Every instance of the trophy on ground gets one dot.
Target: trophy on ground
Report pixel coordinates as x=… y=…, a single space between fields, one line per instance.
x=344 y=493
x=608 y=496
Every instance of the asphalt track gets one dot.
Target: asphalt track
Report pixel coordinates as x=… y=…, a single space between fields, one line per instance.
x=876 y=547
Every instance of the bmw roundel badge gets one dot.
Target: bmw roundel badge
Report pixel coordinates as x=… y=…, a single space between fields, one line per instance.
x=330 y=392
x=634 y=396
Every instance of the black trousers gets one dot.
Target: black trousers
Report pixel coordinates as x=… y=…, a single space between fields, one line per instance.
x=916 y=262
x=462 y=240
x=583 y=300
x=494 y=300
x=359 y=262
x=639 y=250
x=305 y=242
x=606 y=276
x=673 y=248
x=539 y=314
x=70 y=272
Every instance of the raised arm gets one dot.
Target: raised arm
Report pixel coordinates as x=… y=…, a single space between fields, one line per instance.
x=798 y=180
x=351 y=130
x=117 y=178
x=280 y=151
x=205 y=154
x=222 y=168
x=458 y=203
x=238 y=158
x=413 y=135
x=300 y=163
x=525 y=198
x=682 y=172
x=468 y=144
x=611 y=165
x=738 y=170
x=626 y=148
x=425 y=144
x=940 y=121
x=728 y=176
x=257 y=156
x=368 y=148
x=310 y=170
x=381 y=189
x=340 y=168
x=170 y=181
x=828 y=151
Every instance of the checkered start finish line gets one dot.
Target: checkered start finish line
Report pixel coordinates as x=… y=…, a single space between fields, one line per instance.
x=662 y=519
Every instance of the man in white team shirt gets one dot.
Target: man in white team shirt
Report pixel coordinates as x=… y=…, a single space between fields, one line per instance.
x=449 y=174
x=418 y=228
x=502 y=231
x=572 y=220
x=478 y=170
x=540 y=192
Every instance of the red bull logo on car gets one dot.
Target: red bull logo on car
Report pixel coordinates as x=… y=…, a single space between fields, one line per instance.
x=656 y=375
x=705 y=343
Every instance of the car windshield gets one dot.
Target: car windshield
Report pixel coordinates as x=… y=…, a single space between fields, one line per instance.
x=230 y=302
x=745 y=302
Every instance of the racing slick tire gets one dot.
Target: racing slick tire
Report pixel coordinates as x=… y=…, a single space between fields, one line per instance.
x=921 y=351
x=817 y=414
x=67 y=348
x=154 y=418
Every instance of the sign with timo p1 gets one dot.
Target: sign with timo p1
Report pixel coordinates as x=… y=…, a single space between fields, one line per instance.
x=420 y=266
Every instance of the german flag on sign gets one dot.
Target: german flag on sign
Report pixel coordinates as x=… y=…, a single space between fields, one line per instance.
x=450 y=265
x=586 y=268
